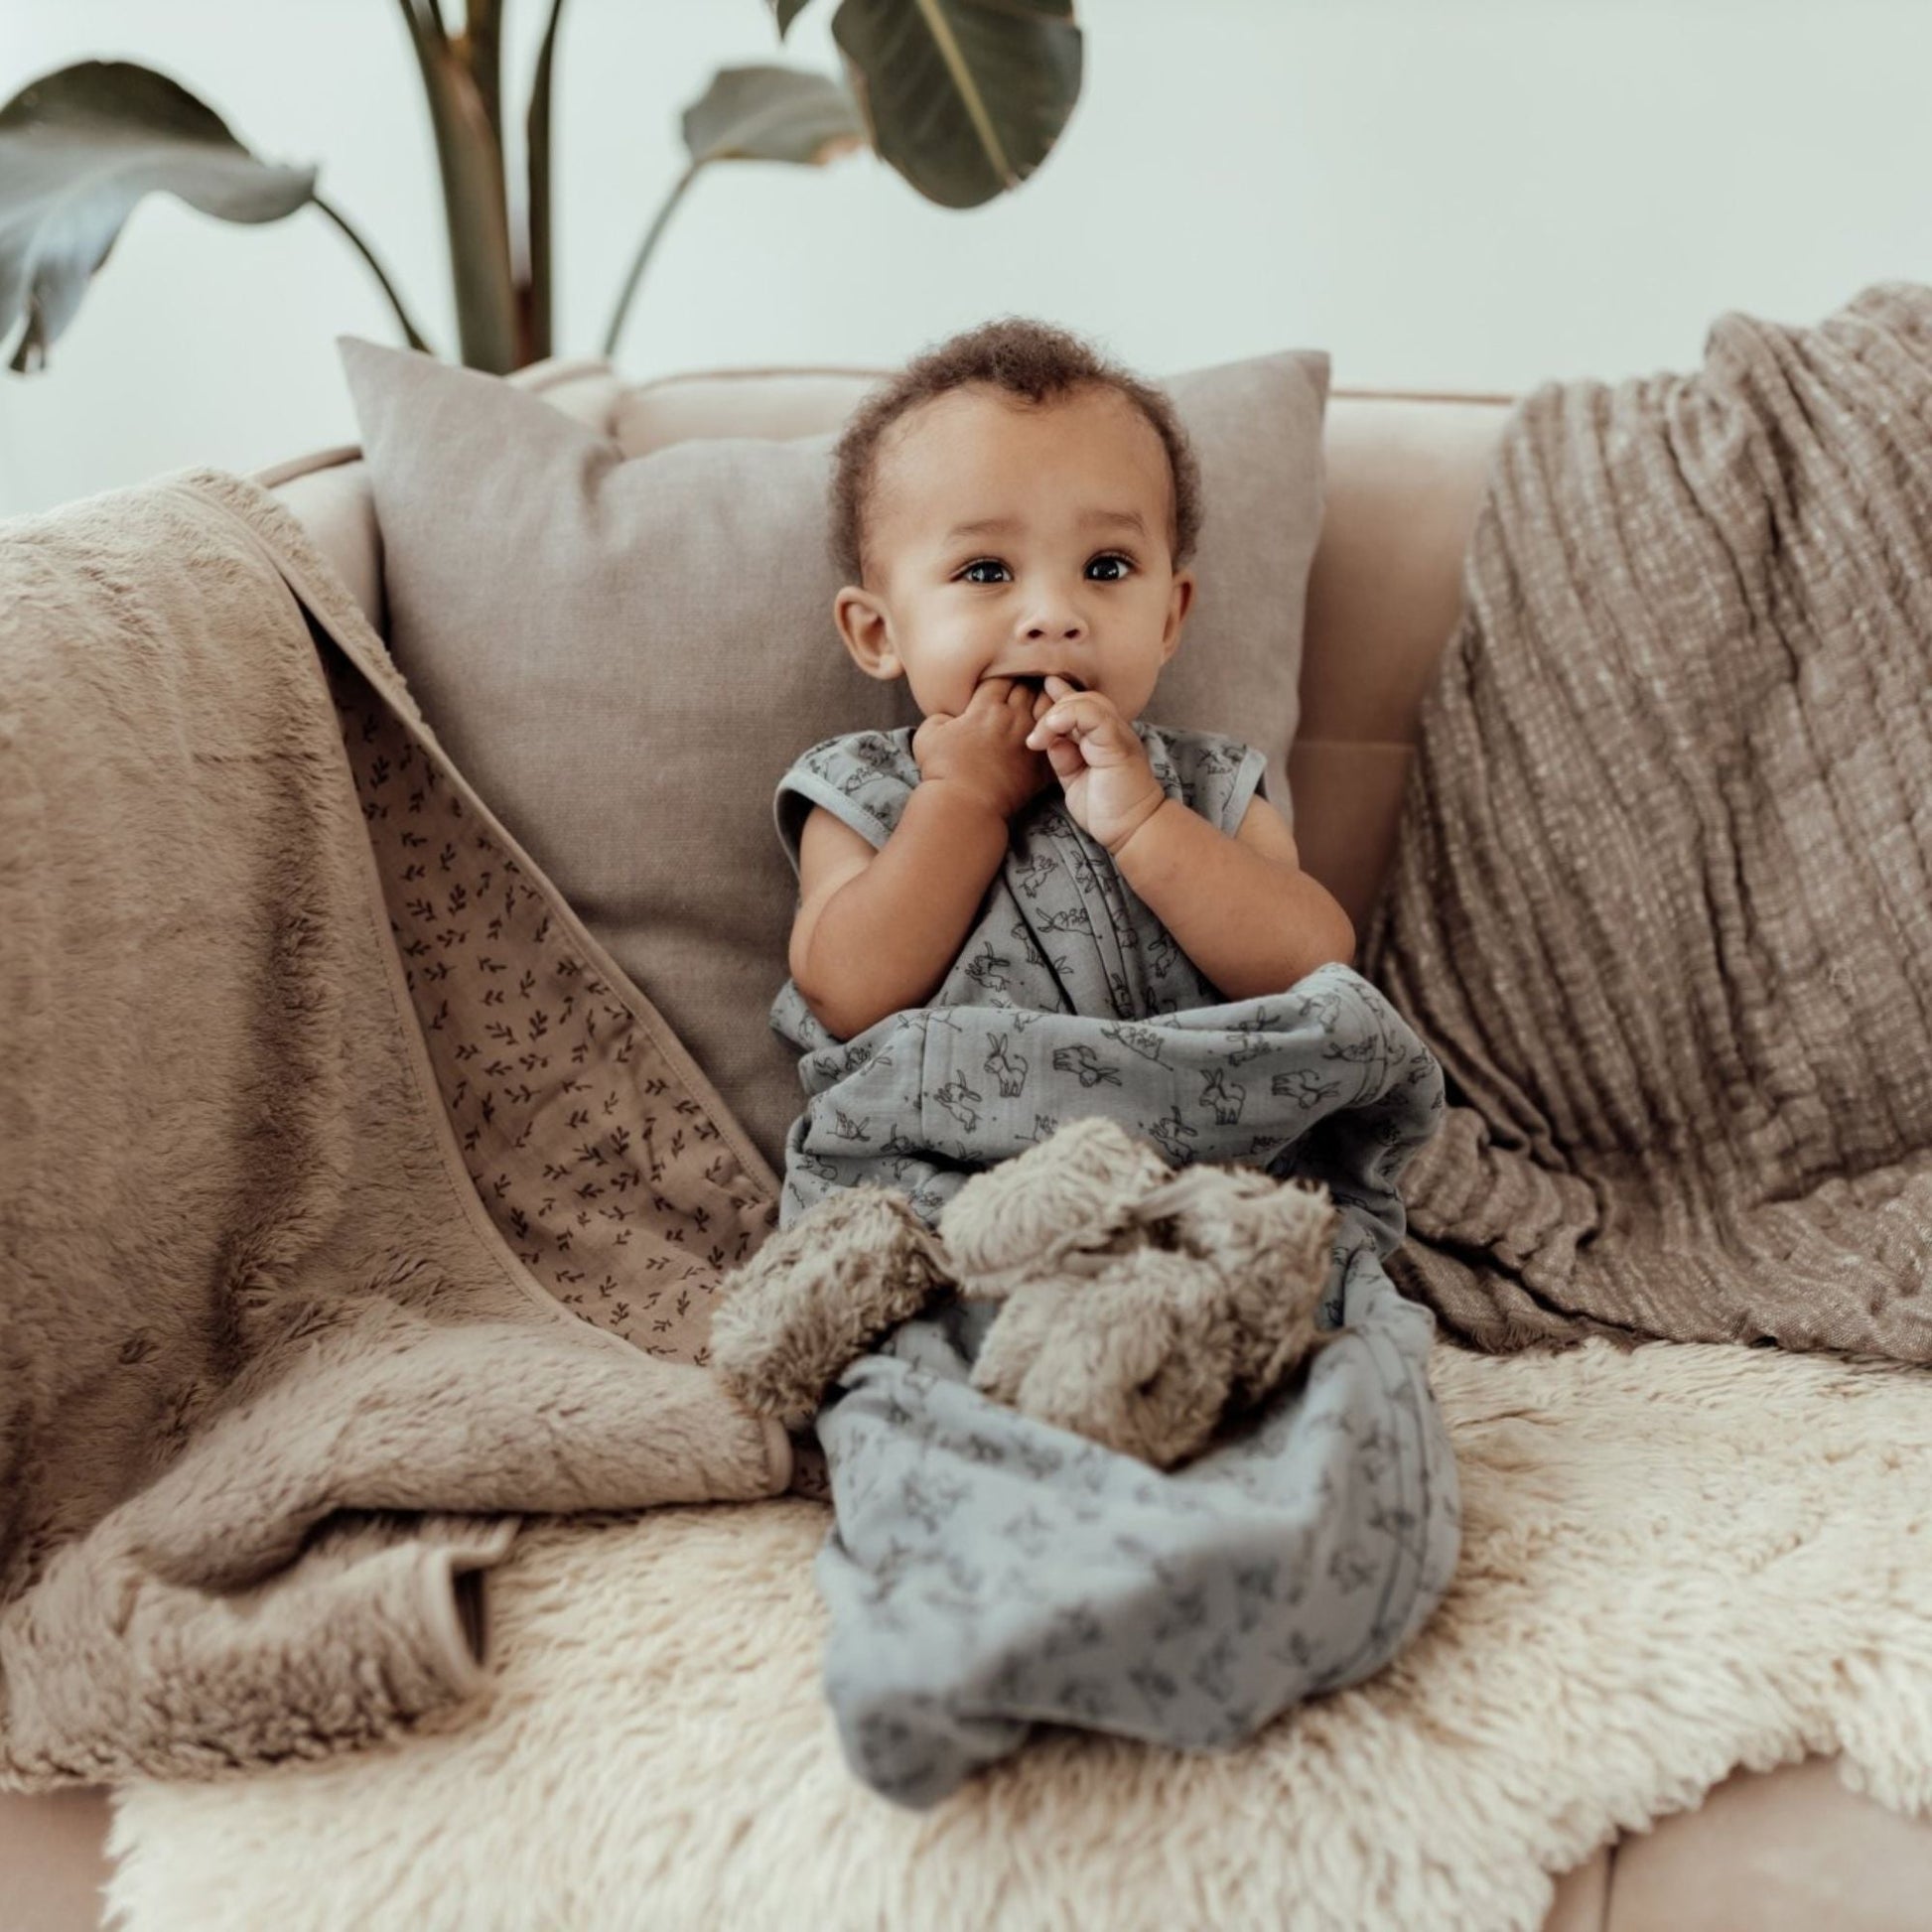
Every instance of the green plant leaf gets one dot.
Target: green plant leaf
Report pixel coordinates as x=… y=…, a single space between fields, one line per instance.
x=772 y=113
x=787 y=11
x=756 y=113
x=964 y=98
x=78 y=150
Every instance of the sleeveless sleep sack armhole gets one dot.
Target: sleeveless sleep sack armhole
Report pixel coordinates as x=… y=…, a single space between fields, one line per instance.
x=857 y=778
x=1216 y=774
x=1250 y=778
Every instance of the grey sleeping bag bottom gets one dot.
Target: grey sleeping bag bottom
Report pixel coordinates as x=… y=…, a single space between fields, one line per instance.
x=987 y=1571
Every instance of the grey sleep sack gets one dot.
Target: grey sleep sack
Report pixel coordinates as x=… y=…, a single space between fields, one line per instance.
x=986 y=1571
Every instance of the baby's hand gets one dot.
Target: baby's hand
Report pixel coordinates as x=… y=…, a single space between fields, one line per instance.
x=1102 y=766
x=983 y=751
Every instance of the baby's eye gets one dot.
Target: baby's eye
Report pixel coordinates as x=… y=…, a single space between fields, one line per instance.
x=972 y=571
x=1112 y=567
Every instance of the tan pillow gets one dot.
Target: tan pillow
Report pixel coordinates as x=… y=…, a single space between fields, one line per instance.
x=624 y=655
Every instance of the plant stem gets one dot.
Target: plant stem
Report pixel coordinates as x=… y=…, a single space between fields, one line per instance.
x=649 y=242
x=536 y=141
x=483 y=34
x=395 y=300
x=471 y=164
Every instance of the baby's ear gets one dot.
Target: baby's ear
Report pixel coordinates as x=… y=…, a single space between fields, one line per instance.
x=863 y=624
x=1180 y=600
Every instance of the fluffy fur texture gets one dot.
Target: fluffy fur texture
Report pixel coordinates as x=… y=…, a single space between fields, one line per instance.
x=1036 y=1214
x=813 y=1297
x=1136 y=1356
x=1139 y=1304
x=1676 y=1561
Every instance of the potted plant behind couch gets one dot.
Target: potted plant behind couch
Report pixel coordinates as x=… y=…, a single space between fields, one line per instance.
x=963 y=97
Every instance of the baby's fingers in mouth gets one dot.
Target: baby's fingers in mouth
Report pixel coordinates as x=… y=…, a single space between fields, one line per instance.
x=1036 y=680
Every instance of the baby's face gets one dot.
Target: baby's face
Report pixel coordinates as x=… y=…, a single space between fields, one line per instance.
x=1005 y=540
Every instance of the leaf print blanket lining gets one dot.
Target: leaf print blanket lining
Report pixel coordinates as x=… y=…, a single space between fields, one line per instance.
x=353 y=1202
x=987 y=1571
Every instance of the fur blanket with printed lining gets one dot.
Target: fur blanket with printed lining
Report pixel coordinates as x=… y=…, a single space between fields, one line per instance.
x=354 y=1203
x=1662 y=893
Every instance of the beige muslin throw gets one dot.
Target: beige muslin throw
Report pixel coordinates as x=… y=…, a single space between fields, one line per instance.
x=1660 y=900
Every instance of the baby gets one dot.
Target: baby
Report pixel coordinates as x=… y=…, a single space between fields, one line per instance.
x=1016 y=516
x=1028 y=910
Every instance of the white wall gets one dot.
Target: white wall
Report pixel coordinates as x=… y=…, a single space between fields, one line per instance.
x=1459 y=194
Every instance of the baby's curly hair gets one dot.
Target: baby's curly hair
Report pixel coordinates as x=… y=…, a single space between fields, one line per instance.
x=1030 y=360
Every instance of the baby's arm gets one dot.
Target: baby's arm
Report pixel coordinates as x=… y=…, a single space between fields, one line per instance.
x=1242 y=908
x=876 y=931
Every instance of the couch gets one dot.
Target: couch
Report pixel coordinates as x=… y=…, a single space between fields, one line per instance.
x=1789 y=1849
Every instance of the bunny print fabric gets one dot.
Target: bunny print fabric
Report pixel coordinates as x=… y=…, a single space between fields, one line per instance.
x=985 y=1570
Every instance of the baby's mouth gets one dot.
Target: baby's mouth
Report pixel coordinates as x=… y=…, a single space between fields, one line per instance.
x=1038 y=679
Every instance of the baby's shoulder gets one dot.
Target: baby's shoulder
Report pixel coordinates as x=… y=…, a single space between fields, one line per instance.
x=863 y=778
x=861 y=757
x=1193 y=764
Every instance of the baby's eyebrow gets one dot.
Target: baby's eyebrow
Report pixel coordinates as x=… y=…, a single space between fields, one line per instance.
x=989 y=526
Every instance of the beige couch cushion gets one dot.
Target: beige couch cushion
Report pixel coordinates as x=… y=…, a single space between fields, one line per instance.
x=624 y=655
x=1405 y=476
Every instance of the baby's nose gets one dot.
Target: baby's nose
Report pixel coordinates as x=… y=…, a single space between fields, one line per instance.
x=1063 y=624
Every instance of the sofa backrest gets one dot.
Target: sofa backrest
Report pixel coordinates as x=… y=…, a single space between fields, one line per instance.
x=1405 y=471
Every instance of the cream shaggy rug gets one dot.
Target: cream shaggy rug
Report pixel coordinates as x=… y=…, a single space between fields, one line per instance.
x=1676 y=1561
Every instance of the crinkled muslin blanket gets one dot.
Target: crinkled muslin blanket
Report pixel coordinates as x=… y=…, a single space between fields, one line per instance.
x=353 y=1201
x=1660 y=901
x=989 y=1571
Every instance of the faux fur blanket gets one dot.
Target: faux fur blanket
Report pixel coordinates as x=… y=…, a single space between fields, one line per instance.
x=320 y=1117
x=1661 y=900
x=1677 y=1559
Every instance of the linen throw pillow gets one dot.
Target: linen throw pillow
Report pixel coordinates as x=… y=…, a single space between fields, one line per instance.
x=624 y=653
